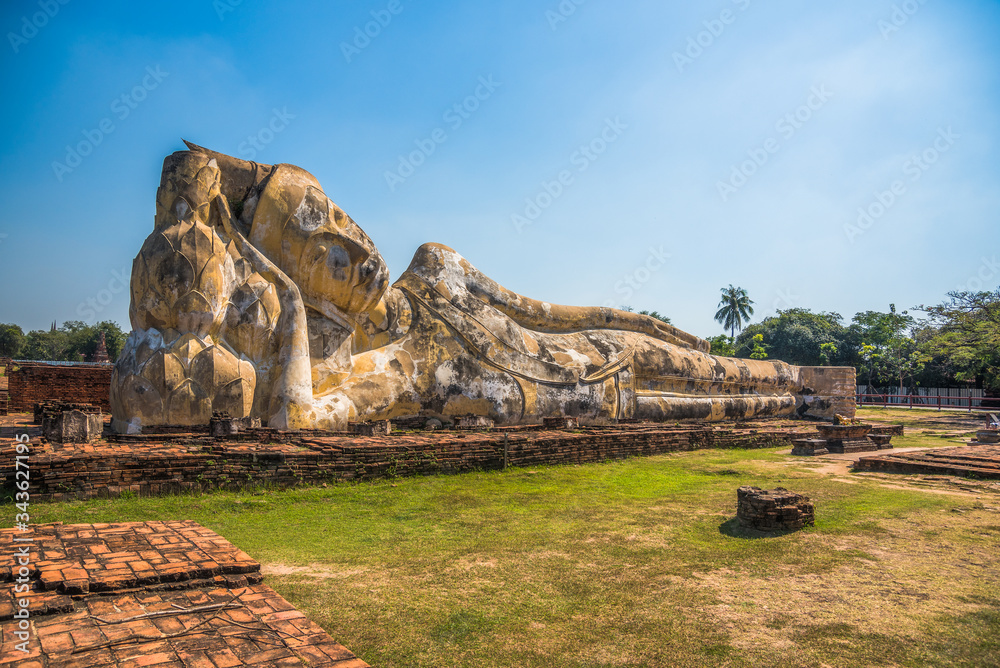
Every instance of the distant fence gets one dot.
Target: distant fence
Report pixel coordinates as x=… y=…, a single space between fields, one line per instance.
x=930 y=397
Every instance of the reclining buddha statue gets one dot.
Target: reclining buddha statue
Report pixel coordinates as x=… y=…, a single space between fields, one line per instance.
x=255 y=295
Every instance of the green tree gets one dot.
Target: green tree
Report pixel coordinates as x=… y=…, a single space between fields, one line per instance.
x=655 y=314
x=892 y=354
x=40 y=344
x=114 y=338
x=967 y=336
x=734 y=308
x=722 y=345
x=797 y=336
x=759 y=352
x=11 y=340
x=827 y=351
x=73 y=341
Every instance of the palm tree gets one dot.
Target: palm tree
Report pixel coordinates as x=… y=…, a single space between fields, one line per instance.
x=734 y=309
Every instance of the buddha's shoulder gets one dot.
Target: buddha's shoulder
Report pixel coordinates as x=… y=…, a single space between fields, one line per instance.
x=434 y=261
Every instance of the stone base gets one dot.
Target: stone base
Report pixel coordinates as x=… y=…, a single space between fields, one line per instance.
x=221 y=425
x=847 y=446
x=809 y=447
x=561 y=422
x=773 y=510
x=377 y=428
x=474 y=422
x=70 y=423
x=881 y=441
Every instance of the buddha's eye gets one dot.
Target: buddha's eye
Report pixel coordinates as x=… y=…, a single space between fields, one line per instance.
x=337 y=260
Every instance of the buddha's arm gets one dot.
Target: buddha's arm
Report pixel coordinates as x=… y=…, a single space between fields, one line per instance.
x=439 y=265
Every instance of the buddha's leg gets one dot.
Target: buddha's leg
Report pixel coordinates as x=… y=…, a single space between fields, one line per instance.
x=675 y=383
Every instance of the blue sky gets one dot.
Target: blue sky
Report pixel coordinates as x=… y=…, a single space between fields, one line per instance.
x=832 y=156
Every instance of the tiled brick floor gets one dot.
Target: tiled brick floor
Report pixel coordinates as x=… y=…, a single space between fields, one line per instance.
x=167 y=594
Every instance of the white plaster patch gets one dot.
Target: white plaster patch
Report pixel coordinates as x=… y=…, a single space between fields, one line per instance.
x=580 y=361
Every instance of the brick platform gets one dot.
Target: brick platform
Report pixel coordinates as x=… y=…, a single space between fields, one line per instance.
x=980 y=461
x=167 y=594
x=154 y=465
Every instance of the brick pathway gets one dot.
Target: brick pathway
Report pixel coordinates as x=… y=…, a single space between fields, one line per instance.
x=166 y=594
x=980 y=461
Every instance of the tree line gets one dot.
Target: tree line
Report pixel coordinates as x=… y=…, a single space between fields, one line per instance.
x=952 y=344
x=73 y=341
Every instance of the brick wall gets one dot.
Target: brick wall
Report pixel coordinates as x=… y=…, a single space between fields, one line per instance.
x=146 y=467
x=78 y=383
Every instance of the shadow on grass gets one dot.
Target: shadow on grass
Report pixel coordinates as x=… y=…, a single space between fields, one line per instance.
x=732 y=527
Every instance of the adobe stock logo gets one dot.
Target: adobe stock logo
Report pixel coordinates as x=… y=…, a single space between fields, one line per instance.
x=381 y=19
x=786 y=126
x=562 y=12
x=913 y=167
x=633 y=281
x=119 y=283
x=31 y=25
x=985 y=276
x=223 y=7
x=901 y=14
x=455 y=116
x=582 y=158
x=698 y=43
x=256 y=142
x=122 y=107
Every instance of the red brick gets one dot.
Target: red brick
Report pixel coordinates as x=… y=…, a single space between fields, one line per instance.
x=195 y=660
x=224 y=658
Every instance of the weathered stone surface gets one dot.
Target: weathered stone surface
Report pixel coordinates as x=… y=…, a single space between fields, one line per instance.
x=988 y=436
x=474 y=422
x=223 y=425
x=256 y=295
x=809 y=447
x=773 y=510
x=69 y=423
x=377 y=428
x=560 y=422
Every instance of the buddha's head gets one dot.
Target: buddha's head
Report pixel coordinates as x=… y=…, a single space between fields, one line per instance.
x=287 y=217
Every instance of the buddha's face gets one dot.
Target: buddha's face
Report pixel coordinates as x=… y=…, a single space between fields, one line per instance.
x=317 y=245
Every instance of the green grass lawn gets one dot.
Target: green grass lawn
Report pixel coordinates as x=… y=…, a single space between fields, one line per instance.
x=634 y=563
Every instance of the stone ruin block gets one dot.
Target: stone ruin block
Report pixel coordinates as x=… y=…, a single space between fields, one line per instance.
x=881 y=441
x=773 y=510
x=561 y=422
x=847 y=436
x=809 y=447
x=410 y=422
x=70 y=423
x=376 y=428
x=221 y=425
x=39 y=409
x=475 y=422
